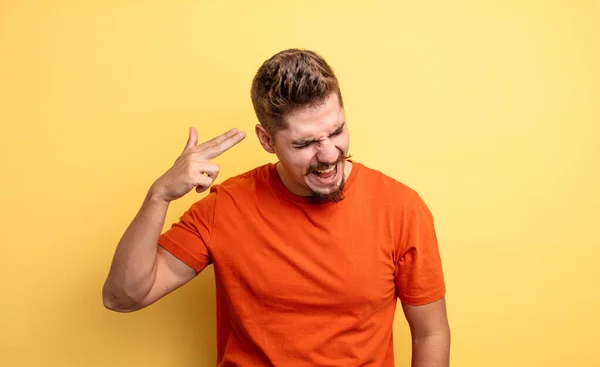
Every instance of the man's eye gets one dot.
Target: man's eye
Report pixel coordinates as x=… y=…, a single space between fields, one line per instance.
x=301 y=146
x=338 y=132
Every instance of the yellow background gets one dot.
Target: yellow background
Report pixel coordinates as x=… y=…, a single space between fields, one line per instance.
x=489 y=109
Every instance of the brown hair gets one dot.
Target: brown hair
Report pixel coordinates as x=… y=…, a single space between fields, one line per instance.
x=291 y=80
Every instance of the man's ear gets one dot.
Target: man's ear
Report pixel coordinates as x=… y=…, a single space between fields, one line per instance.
x=266 y=140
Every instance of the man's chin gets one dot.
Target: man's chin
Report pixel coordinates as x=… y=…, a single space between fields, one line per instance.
x=333 y=194
x=333 y=197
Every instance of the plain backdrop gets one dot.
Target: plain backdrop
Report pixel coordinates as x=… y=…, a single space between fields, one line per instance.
x=489 y=109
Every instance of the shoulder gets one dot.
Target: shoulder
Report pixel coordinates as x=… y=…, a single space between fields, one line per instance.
x=385 y=184
x=235 y=190
x=251 y=181
x=391 y=194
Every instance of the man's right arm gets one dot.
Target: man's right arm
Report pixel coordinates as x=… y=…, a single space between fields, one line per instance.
x=141 y=271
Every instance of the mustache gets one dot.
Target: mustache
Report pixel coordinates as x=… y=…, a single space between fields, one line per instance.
x=323 y=166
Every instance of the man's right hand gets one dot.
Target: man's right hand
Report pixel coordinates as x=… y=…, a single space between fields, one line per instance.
x=193 y=168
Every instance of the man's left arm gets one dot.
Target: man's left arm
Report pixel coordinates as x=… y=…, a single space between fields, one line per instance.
x=430 y=333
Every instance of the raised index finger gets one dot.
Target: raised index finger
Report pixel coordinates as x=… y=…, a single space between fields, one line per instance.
x=220 y=147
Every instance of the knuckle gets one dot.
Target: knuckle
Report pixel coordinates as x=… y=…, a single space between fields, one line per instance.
x=220 y=145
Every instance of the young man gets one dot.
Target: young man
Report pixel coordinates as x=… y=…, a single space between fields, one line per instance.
x=310 y=254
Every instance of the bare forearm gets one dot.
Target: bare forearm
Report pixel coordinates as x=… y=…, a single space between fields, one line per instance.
x=431 y=351
x=133 y=268
x=133 y=272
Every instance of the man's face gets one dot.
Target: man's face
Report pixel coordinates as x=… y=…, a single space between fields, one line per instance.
x=313 y=151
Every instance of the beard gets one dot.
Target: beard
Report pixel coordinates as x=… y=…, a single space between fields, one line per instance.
x=336 y=195
x=332 y=197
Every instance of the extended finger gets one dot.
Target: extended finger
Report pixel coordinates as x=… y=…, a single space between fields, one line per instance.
x=226 y=144
x=218 y=139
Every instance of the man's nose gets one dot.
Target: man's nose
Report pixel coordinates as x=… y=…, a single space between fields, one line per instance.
x=327 y=152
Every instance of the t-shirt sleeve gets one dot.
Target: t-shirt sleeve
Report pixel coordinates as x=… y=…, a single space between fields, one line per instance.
x=419 y=275
x=189 y=238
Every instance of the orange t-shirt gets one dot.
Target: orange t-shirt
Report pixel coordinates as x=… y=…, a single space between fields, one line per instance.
x=306 y=284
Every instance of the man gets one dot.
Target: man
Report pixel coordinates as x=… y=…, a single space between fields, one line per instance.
x=310 y=254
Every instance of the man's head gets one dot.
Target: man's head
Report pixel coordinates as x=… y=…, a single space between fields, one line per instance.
x=297 y=100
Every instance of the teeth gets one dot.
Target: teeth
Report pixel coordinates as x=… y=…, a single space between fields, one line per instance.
x=327 y=170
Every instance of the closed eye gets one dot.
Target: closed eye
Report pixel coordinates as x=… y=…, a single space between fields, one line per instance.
x=338 y=132
x=301 y=146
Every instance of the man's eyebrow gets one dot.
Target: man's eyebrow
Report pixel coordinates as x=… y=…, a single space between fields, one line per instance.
x=306 y=141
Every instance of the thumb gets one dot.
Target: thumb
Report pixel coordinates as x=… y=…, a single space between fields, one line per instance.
x=192 y=139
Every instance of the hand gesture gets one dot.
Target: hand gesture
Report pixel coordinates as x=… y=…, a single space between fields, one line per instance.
x=193 y=168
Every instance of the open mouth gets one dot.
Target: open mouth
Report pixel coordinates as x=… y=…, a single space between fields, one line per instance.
x=326 y=176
